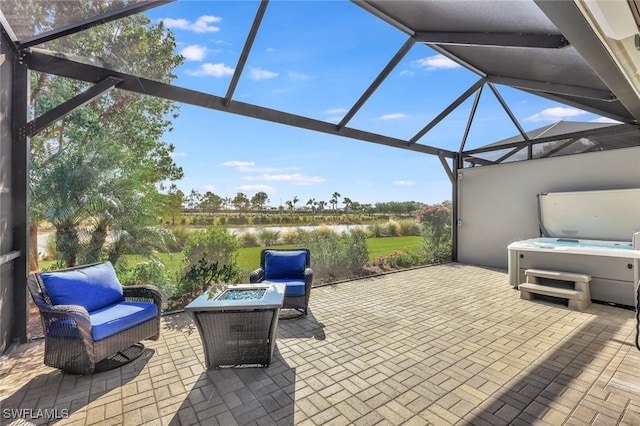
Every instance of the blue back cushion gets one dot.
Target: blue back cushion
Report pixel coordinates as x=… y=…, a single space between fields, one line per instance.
x=93 y=287
x=284 y=264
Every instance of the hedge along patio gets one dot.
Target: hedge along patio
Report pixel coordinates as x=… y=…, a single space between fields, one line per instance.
x=447 y=344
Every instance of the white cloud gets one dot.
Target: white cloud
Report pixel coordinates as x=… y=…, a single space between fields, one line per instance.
x=234 y=163
x=404 y=182
x=213 y=70
x=605 y=120
x=201 y=25
x=194 y=52
x=406 y=72
x=250 y=167
x=298 y=76
x=178 y=154
x=436 y=62
x=394 y=116
x=335 y=115
x=175 y=23
x=209 y=188
x=335 y=119
x=267 y=169
x=260 y=74
x=555 y=114
x=295 y=178
x=255 y=188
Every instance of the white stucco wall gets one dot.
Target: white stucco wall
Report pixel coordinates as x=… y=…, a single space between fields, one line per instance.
x=497 y=204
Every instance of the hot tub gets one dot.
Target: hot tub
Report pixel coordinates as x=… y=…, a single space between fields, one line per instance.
x=613 y=265
x=586 y=232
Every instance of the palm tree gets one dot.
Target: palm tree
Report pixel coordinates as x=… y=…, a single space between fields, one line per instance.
x=312 y=203
x=72 y=179
x=347 y=203
x=334 y=199
x=294 y=201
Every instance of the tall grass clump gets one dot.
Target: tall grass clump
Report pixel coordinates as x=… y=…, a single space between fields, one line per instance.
x=180 y=235
x=335 y=256
x=249 y=239
x=409 y=228
x=391 y=228
x=290 y=236
x=269 y=237
x=375 y=230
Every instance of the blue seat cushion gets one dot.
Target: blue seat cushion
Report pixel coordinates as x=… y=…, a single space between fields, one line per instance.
x=293 y=287
x=113 y=319
x=93 y=287
x=284 y=264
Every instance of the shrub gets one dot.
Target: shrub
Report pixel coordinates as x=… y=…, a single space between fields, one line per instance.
x=260 y=219
x=401 y=259
x=180 y=235
x=205 y=275
x=153 y=272
x=436 y=222
x=436 y=253
x=213 y=244
x=335 y=256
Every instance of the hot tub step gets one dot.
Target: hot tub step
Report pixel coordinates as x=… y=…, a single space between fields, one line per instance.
x=555 y=284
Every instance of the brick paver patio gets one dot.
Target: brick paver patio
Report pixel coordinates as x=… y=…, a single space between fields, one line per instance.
x=448 y=344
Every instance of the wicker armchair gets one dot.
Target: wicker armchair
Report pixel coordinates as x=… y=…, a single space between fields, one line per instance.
x=291 y=267
x=77 y=337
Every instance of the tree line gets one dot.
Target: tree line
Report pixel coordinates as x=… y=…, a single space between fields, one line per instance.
x=211 y=203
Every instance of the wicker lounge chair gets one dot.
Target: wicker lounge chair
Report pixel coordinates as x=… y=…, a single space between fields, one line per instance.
x=87 y=316
x=291 y=267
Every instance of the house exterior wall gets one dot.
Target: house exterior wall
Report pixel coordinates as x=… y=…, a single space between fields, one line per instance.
x=497 y=204
x=6 y=196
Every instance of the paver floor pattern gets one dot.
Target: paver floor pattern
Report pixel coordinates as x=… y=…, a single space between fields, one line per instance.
x=446 y=344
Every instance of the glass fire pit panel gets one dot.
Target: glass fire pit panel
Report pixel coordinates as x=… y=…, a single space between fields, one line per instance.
x=243 y=294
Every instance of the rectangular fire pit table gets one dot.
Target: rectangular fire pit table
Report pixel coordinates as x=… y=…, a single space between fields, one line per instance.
x=238 y=325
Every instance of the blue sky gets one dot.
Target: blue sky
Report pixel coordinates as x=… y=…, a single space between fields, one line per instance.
x=316 y=58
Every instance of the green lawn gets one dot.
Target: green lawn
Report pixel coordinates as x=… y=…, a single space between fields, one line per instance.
x=387 y=245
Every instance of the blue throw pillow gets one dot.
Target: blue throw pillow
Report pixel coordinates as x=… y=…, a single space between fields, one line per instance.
x=284 y=264
x=93 y=287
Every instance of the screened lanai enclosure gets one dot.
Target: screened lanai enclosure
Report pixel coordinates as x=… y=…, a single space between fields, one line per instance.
x=579 y=54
